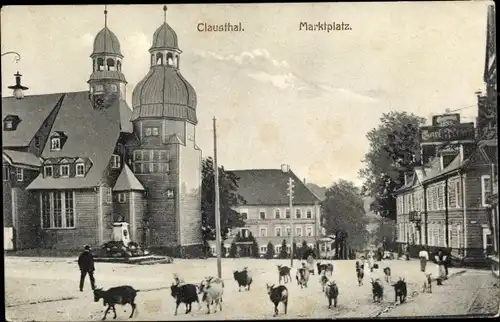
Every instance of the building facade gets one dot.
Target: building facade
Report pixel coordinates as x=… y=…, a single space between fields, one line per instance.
x=444 y=205
x=267 y=212
x=74 y=163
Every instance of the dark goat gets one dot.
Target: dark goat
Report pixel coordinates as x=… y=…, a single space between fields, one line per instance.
x=321 y=267
x=332 y=292
x=186 y=294
x=116 y=295
x=377 y=290
x=278 y=294
x=400 y=290
x=243 y=278
x=284 y=272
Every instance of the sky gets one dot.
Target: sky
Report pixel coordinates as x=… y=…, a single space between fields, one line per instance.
x=280 y=95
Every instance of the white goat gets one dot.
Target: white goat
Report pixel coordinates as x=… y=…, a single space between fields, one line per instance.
x=212 y=289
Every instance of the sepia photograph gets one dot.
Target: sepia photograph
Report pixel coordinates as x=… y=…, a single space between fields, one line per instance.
x=326 y=160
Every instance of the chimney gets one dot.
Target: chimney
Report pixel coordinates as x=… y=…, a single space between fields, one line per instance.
x=305 y=181
x=285 y=168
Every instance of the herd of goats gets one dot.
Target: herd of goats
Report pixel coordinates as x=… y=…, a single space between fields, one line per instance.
x=211 y=289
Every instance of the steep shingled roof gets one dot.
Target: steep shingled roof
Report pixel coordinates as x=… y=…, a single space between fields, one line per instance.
x=32 y=111
x=127 y=181
x=270 y=187
x=21 y=158
x=91 y=133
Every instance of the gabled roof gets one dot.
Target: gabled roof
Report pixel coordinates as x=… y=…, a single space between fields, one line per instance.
x=91 y=133
x=32 y=111
x=21 y=158
x=173 y=139
x=270 y=187
x=127 y=181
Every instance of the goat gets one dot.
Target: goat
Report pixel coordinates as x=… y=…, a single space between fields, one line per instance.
x=116 y=295
x=243 y=278
x=400 y=290
x=377 y=290
x=302 y=276
x=186 y=294
x=284 y=272
x=427 y=287
x=323 y=279
x=331 y=292
x=321 y=267
x=212 y=289
x=387 y=274
x=278 y=294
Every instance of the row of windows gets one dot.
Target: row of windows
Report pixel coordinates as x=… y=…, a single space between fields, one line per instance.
x=151 y=155
x=58 y=209
x=278 y=232
x=152 y=131
x=170 y=60
x=436 y=197
x=277 y=213
x=99 y=88
x=408 y=233
x=145 y=168
x=6 y=174
x=98 y=64
x=262 y=249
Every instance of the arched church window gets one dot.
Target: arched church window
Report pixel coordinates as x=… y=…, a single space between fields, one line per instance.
x=118 y=65
x=110 y=62
x=159 y=59
x=177 y=61
x=152 y=59
x=170 y=59
x=100 y=64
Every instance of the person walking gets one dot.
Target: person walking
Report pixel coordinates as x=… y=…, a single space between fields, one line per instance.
x=370 y=260
x=86 y=264
x=440 y=259
x=424 y=258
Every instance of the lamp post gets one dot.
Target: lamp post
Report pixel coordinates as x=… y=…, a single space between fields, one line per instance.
x=18 y=88
x=286 y=168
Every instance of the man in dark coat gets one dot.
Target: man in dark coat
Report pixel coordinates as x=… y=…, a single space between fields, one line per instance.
x=86 y=264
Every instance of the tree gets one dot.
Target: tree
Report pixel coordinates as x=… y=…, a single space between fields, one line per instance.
x=255 y=249
x=233 y=251
x=270 y=251
x=228 y=197
x=283 y=252
x=394 y=150
x=344 y=216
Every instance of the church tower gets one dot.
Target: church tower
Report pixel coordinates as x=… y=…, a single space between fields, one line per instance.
x=166 y=160
x=107 y=82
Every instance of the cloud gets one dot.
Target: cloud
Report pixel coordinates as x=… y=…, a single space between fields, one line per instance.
x=261 y=66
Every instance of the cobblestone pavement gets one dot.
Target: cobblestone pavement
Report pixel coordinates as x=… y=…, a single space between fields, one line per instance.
x=475 y=293
x=47 y=290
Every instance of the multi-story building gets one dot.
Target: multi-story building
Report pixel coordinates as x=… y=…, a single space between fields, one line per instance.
x=74 y=163
x=488 y=129
x=444 y=204
x=267 y=213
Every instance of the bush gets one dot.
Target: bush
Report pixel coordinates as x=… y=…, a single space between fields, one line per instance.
x=283 y=252
x=270 y=251
x=233 y=250
x=255 y=249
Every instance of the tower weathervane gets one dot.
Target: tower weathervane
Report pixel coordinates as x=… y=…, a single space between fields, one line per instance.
x=165 y=14
x=105 y=15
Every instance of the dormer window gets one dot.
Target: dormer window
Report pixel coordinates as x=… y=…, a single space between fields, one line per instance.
x=57 y=140
x=55 y=144
x=10 y=122
x=19 y=174
x=80 y=169
x=47 y=171
x=113 y=88
x=115 y=161
x=64 y=170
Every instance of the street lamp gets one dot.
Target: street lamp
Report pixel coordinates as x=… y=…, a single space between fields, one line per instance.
x=18 y=88
x=286 y=168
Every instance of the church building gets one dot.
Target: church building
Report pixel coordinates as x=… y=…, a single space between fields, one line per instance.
x=75 y=163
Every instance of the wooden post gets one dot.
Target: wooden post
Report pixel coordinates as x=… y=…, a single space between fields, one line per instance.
x=216 y=206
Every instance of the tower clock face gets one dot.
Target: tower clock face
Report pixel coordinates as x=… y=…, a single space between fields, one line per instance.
x=99 y=101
